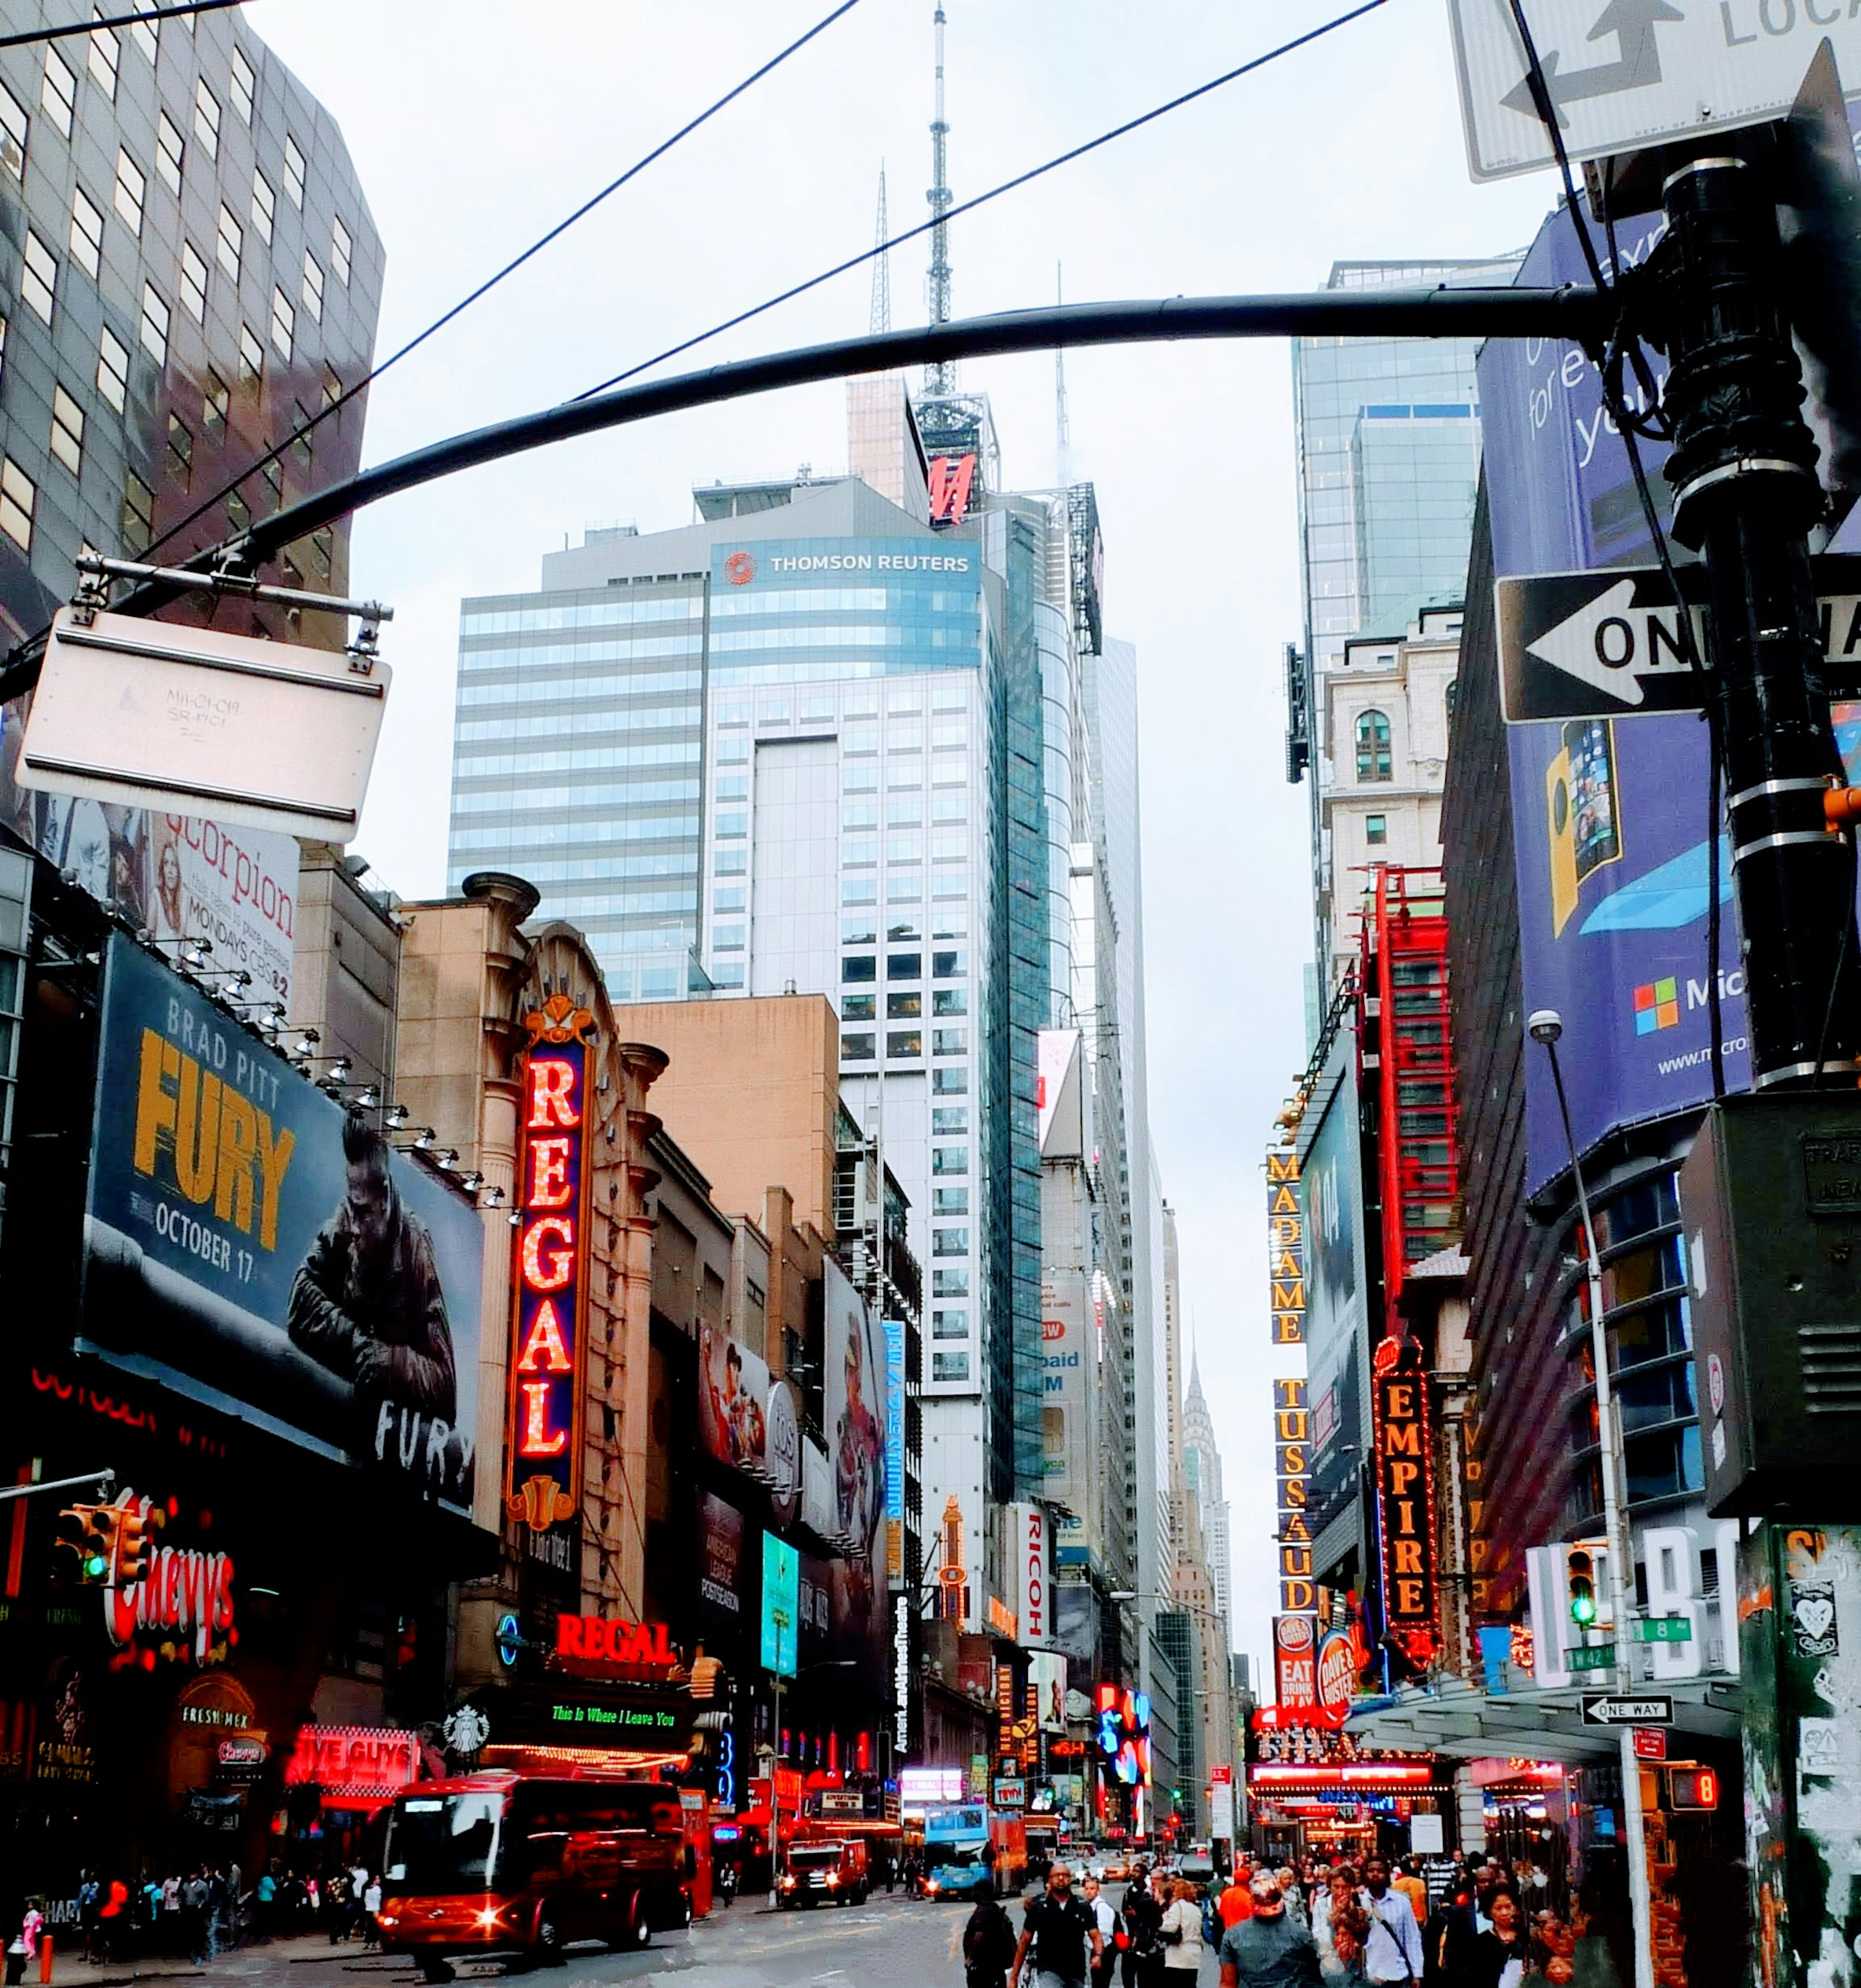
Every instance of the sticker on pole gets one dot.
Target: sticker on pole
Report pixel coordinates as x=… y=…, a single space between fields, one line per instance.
x=188 y=720
x=1608 y=643
x=1625 y=74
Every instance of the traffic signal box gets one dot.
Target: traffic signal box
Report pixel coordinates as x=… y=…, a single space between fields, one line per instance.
x=112 y=1541
x=1770 y=1204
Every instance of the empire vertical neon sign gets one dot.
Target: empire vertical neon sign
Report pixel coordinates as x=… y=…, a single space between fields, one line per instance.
x=543 y=1434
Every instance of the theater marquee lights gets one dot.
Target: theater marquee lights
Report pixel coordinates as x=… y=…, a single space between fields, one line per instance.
x=1405 y=1496
x=548 y=1359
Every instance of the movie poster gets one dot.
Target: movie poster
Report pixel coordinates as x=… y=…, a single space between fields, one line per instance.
x=854 y=1418
x=732 y=1401
x=251 y=1246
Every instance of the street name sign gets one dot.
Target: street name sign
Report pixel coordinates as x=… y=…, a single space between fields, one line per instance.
x=1607 y=644
x=1592 y=1657
x=1608 y=1709
x=1663 y=1629
x=1626 y=74
x=187 y=721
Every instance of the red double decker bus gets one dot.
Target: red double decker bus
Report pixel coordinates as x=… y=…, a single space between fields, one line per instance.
x=505 y=1861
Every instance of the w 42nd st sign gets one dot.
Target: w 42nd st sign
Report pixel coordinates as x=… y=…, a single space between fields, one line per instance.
x=1608 y=644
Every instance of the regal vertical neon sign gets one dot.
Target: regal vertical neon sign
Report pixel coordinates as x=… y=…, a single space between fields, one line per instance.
x=543 y=1434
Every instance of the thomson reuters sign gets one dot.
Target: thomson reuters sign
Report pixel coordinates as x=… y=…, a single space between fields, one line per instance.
x=739 y=568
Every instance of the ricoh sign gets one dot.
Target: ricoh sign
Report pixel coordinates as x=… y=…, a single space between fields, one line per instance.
x=1029 y=1558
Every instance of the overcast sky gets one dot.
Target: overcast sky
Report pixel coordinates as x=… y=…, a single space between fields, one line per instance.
x=477 y=124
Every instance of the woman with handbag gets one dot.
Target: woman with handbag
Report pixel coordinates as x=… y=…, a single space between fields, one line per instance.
x=1181 y=1932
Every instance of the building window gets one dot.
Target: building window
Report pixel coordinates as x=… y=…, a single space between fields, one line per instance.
x=904 y=1043
x=138 y=512
x=949 y=1159
x=860 y=931
x=853 y=972
x=284 y=323
x=154 y=330
x=904 y=966
x=731 y=863
x=1373 y=762
x=949 y=1042
x=949 y=965
x=170 y=149
x=58 y=91
x=949 y=1242
x=243 y=80
x=146 y=35
x=17 y=498
x=238 y=513
x=859 y=1007
x=67 y=431
x=322 y=552
x=216 y=403
x=293 y=173
x=86 y=234
x=949 y=1200
x=950 y=1001
x=857 y=1049
x=132 y=186
x=112 y=368
x=728 y=900
x=947 y=1119
x=949 y=1284
x=1376 y=828
x=949 y=1366
x=264 y=205
x=729 y=826
x=106 y=58
x=14 y=126
x=313 y=286
x=727 y=939
x=231 y=243
x=950 y=1324
x=193 y=283
x=904 y=1007
x=39 y=278
x=273 y=474
x=180 y=451
x=207 y=118
x=949 y=1083
x=341 y=247
x=251 y=357
x=1447 y=699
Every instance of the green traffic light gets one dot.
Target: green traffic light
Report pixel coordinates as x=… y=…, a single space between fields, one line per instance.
x=1582 y=1607
x=96 y=1566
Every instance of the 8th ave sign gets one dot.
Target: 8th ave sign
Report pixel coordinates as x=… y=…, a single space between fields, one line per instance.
x=1608 y=644
x=1624 y=74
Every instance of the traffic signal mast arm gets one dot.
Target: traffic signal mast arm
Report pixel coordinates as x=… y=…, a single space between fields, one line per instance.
x=102 y=1482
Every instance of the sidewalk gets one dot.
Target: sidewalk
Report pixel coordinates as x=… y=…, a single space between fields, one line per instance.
x=279 y=1963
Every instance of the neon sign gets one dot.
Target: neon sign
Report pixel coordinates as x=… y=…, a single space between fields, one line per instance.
x=543 y=1439
x=1123 y=1733
x=951 y=479
x=594 y=1639
x=1405 y=1495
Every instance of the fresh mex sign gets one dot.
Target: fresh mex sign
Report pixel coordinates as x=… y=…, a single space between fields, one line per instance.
x=1405 y=1496
x=548 y=1358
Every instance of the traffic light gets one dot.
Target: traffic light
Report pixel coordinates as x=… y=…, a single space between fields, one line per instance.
x=130 y=1558
x=96 y=1545
x=1692 y=1788
x=1580 y=1576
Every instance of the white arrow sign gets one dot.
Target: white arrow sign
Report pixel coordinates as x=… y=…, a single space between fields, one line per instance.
x=1623 y=74
x=1611 y=644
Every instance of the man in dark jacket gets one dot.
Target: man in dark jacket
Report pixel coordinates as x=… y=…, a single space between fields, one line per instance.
x=367 y=1303
x=1268 y=1950
x=1064 y=1934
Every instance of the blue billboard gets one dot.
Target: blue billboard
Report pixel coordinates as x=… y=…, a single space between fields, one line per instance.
x=781 y=1605
x=253 y=1246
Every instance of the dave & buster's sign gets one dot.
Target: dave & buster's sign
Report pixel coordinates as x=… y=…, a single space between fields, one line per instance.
x=548 y=1354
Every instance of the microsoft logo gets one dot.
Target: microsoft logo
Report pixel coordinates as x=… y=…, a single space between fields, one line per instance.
x=1657 y=1005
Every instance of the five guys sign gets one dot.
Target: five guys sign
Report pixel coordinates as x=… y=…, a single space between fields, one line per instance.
x=543 y=1438
x=1405 y=1496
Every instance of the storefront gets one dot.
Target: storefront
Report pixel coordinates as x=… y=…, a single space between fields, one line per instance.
x=1351 y=1808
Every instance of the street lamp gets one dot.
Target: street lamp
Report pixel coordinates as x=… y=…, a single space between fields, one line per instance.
x=1544 y=1026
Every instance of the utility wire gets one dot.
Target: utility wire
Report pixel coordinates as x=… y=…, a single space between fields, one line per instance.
x=982 y=199
x=1627 y=426
x=491 y=283
x=118 y=20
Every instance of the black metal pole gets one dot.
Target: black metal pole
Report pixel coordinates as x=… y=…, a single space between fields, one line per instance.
x=1743 y=471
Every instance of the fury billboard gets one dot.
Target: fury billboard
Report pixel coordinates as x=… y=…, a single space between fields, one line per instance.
x=252 y=1246
x=1337 y=1290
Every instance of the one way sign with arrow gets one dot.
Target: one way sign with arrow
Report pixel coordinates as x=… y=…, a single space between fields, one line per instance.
x=1624 y=74
x=1608 y=644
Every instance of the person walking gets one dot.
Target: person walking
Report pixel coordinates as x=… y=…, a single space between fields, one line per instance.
x=1393 y=1952
x=1237 y=1901
x=988 y=1944
x=1061 y=1933
x=1143 y=1962
x=1110 y=1931
x=1502 y=1955
x=1449 y=1939
x=1269 y=1949
x=1413 y=1886
x=371 y=1907
x=1181 y=1933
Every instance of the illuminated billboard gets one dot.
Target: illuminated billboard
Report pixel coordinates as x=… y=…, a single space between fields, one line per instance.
x=543 y=1435
x=1124 y=1734
x=249 y=1244
x=781 y=1605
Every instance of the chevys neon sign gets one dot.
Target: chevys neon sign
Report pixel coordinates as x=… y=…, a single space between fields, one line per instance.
x=543 y=1440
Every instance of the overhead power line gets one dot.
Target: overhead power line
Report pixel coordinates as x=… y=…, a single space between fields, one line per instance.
x=587 y=206
x=994 y=193
x=116 y=20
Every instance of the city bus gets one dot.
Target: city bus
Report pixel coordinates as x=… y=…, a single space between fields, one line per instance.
x=502 y=1862
x=973 y=1851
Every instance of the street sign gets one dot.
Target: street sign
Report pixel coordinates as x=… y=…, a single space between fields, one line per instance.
x=1626 y=74
x=1592 y=1657
x=1605 y=1709
x=187 y=721
x=1663 y=1629
x=1650 y=1742
x=1608 y=644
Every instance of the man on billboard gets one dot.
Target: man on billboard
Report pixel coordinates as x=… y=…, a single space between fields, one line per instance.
x=859 y=1469
x=367 y=1303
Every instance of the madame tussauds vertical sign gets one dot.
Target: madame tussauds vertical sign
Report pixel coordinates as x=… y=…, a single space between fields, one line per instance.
x=544 y=1428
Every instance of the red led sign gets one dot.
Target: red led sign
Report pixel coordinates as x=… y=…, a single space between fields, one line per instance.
x=543 y=1440
x=952 y=479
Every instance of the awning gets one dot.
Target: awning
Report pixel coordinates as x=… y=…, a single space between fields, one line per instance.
x=1469 y=1725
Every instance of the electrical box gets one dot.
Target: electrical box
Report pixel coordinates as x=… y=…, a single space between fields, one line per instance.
x=1771 y=1206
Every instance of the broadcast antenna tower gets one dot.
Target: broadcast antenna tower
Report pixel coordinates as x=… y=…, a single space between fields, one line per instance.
x=1063 y=427
x=881 y=270
x=939 y=379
